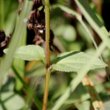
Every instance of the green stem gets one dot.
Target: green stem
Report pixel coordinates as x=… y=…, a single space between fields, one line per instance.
x=5 y=63
x=1 y=14
x=47 y=53
x=45 y=99
x=47 y=34
x=92 y=19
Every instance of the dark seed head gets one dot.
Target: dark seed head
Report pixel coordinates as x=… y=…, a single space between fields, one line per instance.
x=39 y=16
x=4 y=41
x=2 y=36
x=36 y=25
x=37 y=4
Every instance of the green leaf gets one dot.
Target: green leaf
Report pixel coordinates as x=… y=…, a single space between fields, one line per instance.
x=11 y=101
x=6 y=62
x=19 y=67
x=66 y=9
x=71 y=62
x=84 y=5
x=19 y=64
x=30 y=53
x=93 y=20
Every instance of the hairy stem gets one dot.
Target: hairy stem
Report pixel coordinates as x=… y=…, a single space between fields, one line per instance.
x=47 y=53
x=47 y=34
x=45 y=99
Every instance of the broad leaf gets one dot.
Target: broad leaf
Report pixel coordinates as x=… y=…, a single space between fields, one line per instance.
x=30 y=53
x=73 y=62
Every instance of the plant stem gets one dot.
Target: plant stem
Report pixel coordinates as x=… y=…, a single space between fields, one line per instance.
x=5 y=63
x=47 y=53
x=92 y=19
x=1 y=14
x=45 y=99
x=47 y=34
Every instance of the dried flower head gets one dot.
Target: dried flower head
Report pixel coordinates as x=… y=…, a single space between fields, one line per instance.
x=36 y=24
x=37 y=4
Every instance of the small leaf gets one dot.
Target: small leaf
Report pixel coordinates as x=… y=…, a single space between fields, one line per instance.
x=30 y=53
x=73 y=62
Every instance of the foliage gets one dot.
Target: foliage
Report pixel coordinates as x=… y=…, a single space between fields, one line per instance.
x=76 y=56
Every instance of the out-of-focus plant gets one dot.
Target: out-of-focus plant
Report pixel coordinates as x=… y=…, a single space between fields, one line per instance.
x=57 y=43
